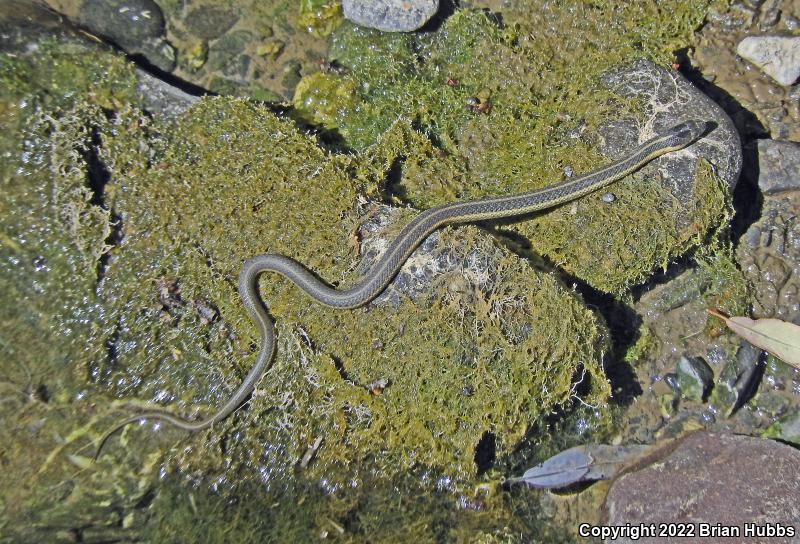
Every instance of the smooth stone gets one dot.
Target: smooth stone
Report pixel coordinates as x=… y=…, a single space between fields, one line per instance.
x=137 y=26
x=738 y=380
x=776 y=56
x=161 y=98
x=127 y=22
x=210 y=22
x=695 y=377
x=778 y=166
x=390 y=15
x=712 y=479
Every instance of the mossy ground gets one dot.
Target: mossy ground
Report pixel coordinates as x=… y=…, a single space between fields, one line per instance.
x=129 y=286
x=126 y=237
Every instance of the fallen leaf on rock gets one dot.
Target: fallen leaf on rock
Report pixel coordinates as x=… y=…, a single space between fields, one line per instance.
x=780 y=338
x=578 y=464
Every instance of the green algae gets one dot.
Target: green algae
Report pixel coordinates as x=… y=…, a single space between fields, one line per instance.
x=430 y=358
x=320 y=17
x=728 y=291
x=56 y=225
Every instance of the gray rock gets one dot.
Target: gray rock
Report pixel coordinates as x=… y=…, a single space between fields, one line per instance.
x=390 y=15
x=715 y=479
x=210 y=22
x=137 y=26
x=770 y=258
x=695 y=377
x=669 y=99
x=776 y=56
x=162 y=98
x=227 y=49
x=778 y=166
x=127 y=22
x=738 y=379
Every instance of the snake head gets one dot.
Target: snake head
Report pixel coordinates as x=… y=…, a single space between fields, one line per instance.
x=687 y=132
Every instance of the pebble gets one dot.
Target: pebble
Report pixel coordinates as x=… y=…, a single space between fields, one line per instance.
x=608 y=198
x=695 y=377
x=210 y=22
x=776 y=56
x=137 y=26
x=738 y=380
x=390 y=15
x=778 y=166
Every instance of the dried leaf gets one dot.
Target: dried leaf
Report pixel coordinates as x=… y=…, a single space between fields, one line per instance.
x=578 y=464
x=780 y=338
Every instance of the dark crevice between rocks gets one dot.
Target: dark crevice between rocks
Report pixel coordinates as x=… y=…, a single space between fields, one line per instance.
x=139 y=60
x=167 y=77
x=339 y=365
x=674 y=268
x=446 y=9
x=623 y=324
x=392 y=185
x=97 y=178
x=747 y=199
x=485 y=453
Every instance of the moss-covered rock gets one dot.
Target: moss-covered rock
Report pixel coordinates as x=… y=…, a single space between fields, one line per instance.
x=470 y=359
x=124 y=235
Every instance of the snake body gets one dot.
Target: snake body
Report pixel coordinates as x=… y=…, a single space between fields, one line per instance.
x=401 y=248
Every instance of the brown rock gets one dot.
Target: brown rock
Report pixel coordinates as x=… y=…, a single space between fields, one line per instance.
x=708 y=481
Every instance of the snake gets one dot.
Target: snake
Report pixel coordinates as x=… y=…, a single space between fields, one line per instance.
x=386 y=268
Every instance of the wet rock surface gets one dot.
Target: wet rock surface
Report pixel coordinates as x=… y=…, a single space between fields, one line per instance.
x=738 y=379
x=390 y=15
x=715 y=479
x=769 y=255
x=778 y=166
x=694 y=377
x=210 y=22
x=137 y=26
x=757 y=103
x=777 y=56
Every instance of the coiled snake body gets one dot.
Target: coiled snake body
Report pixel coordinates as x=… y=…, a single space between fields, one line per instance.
x=401 y=248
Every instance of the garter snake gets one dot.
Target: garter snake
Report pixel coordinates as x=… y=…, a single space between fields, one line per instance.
x=401 y=248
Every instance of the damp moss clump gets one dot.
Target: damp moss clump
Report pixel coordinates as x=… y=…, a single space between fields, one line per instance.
x=56 y=231
x=236 y=181
x=394 y=396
